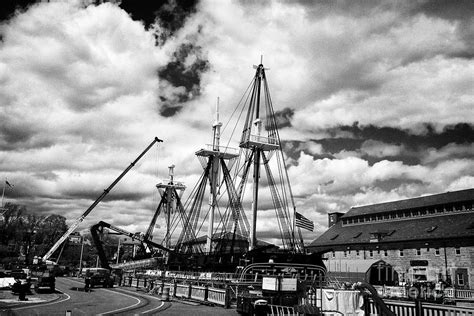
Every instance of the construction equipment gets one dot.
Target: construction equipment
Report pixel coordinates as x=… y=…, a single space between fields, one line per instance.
x=98 y=228
x=93 y=205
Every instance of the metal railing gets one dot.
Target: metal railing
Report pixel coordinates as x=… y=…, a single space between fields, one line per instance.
x=459 y=294
x=418 y=308
x=278 y=310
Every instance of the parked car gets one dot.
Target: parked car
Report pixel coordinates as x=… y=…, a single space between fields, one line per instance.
x=99 y=276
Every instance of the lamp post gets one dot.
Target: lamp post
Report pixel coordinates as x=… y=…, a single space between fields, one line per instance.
x=82 y=251
x=118 y=252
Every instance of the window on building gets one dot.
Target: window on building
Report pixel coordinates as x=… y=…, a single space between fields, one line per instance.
x=334 y=254
x=345 y=253
x=419 y=274
x=371 y=253
x=385 y=253
x=457 y=250
x=437 y=252
x=460 y=279
x=357 y=252
x=418 y=251
x=401 y=253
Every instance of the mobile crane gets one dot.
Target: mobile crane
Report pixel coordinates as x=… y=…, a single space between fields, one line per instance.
x=93 y=205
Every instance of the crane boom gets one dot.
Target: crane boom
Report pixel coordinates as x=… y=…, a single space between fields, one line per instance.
x=95 y=229
x=93 y=205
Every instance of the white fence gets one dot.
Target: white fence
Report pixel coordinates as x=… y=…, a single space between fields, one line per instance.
x=216 y=296
x=209 y=294
x=401 y=308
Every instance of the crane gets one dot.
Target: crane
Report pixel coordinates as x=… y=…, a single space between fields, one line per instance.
x=97 y=201
x=95 y=229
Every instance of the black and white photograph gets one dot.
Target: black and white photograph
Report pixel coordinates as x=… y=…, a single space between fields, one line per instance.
x=237 y=157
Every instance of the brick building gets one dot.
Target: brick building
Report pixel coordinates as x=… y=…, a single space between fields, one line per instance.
x=425 y=239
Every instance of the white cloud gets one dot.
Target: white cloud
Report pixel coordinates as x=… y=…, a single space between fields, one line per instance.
x=79 y=96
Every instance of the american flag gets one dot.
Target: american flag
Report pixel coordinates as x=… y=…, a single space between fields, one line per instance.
x=303 y=222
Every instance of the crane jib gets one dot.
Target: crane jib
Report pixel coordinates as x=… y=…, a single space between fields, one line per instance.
x=97 y=201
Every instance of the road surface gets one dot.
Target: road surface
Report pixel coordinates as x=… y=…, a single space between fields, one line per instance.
x=116 y=301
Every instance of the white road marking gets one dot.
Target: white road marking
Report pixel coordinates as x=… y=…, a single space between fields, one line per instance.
x=156 y=308
x=153 y=309
x=117 y=310
x=52 y=303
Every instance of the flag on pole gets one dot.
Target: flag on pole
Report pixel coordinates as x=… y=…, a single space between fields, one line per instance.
x=303 y=222
x=8 y=183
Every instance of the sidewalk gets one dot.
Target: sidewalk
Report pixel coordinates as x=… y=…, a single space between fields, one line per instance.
x=7 y=298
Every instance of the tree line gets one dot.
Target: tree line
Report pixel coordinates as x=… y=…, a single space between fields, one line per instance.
x=25 y=234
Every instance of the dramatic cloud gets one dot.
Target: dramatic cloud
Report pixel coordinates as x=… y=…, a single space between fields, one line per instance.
x=373 y=99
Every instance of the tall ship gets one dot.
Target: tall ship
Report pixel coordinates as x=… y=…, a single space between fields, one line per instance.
x=217 y=227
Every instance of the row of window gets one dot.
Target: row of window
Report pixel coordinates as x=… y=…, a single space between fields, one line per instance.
x=401 y=252
x=405 y=214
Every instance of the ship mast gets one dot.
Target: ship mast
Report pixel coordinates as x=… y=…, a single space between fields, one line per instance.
x=214 y=178
x=259 y=142
x=171 y=193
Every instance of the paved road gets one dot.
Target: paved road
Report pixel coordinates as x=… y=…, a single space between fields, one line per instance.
x=116 y=301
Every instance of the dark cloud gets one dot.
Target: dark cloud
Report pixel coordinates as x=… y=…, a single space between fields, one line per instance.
x=461 y=133
x=170 y=15
x=456 y=11
x=449 y=10
x=12 y=133
x=8 y=8
x=179 y=74
x=394 y=183
x=283 y=117
x=412 y=144
x=113 y=196
x=15 y=135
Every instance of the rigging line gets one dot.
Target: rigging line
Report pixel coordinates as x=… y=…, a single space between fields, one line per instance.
x=195 y=211
x=237 y=121
x=281 y=215
x=277 y=134
x=188 y=225
x=238 y=104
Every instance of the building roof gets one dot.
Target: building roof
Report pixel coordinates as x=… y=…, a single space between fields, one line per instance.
x=440 y=227
x=424 y=201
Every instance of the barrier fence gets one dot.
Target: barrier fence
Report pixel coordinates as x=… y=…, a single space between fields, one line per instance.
x=223 y=295
x=218 y=296
x=419 y=308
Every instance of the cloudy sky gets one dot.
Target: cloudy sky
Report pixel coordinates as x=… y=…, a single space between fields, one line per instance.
x=374 y=98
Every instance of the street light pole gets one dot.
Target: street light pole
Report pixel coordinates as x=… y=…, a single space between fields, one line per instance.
x=118 y=251
x=82 y=251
